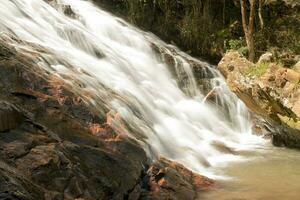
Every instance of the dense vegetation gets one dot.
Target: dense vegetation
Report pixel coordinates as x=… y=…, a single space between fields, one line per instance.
x=208 y=28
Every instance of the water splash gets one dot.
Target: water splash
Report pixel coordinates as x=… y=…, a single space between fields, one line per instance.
x=119 y=66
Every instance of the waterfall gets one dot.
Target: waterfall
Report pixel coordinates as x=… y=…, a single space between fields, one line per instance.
x=119 y=66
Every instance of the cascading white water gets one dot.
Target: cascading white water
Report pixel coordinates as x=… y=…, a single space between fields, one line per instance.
x=117 y=64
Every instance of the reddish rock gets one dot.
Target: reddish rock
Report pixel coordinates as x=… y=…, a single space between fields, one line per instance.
x=56 y=146
x=171 y=180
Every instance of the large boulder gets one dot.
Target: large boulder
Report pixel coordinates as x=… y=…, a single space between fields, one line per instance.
x=270 y=91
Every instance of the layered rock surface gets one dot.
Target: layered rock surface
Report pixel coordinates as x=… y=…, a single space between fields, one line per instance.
x=269 y=90
x=56 y=146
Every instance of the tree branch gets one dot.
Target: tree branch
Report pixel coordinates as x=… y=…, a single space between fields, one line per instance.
x=261 y=19
x=244 y=16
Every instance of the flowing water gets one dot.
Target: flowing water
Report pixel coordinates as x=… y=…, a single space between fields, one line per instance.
x=271 y=173
x=119 y=66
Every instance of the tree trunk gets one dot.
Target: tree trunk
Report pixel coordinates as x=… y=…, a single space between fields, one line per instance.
x=251 y=48
x=224 y=12
x=249 y=27
x=251 y=31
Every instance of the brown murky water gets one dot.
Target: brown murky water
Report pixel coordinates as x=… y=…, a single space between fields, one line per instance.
x=274 y=174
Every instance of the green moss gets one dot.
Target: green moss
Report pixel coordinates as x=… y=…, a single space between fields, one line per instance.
x=290 y=122
x=258 y=70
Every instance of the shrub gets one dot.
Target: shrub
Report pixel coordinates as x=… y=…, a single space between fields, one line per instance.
x=258 y=70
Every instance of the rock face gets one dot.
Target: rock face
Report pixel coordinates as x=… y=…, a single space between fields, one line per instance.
x=201 y=71
x=270 y=91
x=10 y=117
x=55 y=146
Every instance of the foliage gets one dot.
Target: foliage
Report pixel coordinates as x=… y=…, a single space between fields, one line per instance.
x=259 y=69
x=238 y=45
x=209 y=28
x=193 y=25
x=282 y=31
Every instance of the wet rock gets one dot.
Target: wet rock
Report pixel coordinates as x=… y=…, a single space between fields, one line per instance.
x=56 y=146
x=170 y=180
x=220 y=146
x=16 y=149
x=261 y=127
x=10 y=116
x=14 y=185
x=65 y=9
x=200 y=70
x=285 y=136
x=53 y=147
x=68 y=11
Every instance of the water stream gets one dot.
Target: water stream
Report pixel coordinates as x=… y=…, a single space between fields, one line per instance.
x=270 y=173
x=118 y=65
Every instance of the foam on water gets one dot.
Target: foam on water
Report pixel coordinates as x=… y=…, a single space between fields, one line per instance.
x=117 y=63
